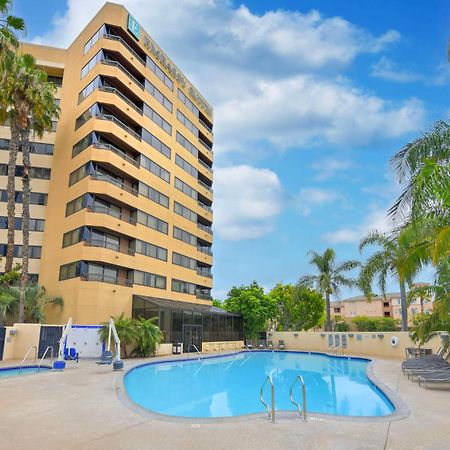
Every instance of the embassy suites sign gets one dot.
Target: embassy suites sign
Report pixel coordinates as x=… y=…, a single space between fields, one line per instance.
x=155 y=50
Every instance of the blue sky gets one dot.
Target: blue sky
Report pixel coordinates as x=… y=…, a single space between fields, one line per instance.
x=311 y=99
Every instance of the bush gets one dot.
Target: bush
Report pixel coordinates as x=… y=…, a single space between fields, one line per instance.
x=341 y=326
x=363 y=323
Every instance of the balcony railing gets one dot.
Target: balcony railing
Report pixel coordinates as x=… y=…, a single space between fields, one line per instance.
x=110 y=62
x=102 y=243
x=203 y=296
x=120 y=124
x=205 y=145
x=200 y=182
x=205 y=228
x=205 y=207
x=118 y=38
x=204 y=272
x=205 y=125
x=202 y=163
x=112 y=180
x=113 y=213
x=206 y=250
x=112 y=90
x=106 y=279
x=117 y=151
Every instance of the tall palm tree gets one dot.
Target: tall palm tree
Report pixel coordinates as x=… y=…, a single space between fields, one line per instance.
x=401 y=257
x=9 y=25
x=330 y=277
x=33 y=106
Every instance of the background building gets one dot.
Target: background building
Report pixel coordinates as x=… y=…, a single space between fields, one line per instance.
x=122 y=187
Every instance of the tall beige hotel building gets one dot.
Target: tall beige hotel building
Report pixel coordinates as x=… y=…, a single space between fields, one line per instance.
x=122 y=188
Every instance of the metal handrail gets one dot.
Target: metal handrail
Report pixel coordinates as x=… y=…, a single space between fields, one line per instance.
x=117 y=151
x=26 y=356
x=204 y=249
x=110 y=62
x=111 y=212
x=201 y=183
x=113 y=90
x=205 y=125
x=196 y=349
x=43 y=356
x=270 y=412
x=205 y=207
x=206 y=145
x=248 y=349
x=117 y=183
x=118 y=38
x=204 y=228
x=202 y=163
x=118 y=122
x=301 y=412
x=102 y=243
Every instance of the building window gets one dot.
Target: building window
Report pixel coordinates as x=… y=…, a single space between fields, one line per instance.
x=147 y=249
x=57 y=81
x=158 y=95
x=155 y=117
x=153 y=194
x=36 y=198
x=149 y=279
x=183 y=286
x=185 y=212
x=184 y=261
x=189 y=105
x=187 y=123
x=75 y=205
x=155 y=143
x=71 y=270
x=152 y=222
x=184 y=236
x=190 y=169
x=91 y=42
x=185 y=188
x=72 y=237
x=35 y=224
x=337 y=310
x=100 y=56
x=34 y=251
x=154 y=168
x=191 y=148
x=159 y=73
x=39 y=173
x=38 y=148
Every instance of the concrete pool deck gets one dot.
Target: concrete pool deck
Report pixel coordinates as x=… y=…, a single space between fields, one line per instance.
x=80 y=408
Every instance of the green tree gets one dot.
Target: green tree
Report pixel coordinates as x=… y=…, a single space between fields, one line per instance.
x=256 y=307
x=281 y=294
x=32 y=107
x=330 y=277
x=308 y=308
x=148 y=336
x=398 y=257
x=9 y=26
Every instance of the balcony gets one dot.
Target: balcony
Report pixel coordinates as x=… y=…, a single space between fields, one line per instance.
x=204 y=144
x=205 y=207
x=110 y=62
x=203 y=295
x=113 y=213
x=113 y=37
x=107 y=279
x=115 y=91
x=101 y=243
x=117 y=151
x=204 y=272
x=204 y=249
x=200 y=182
x=205 y=125
x=118 y=122
x=112 y=180
x=202 y=163
x=205 y=228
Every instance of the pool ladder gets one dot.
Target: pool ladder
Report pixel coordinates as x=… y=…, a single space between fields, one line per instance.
x=44 y=355
x=26 y=356
x=271 y=409
x=335 y=349
x=200 y=356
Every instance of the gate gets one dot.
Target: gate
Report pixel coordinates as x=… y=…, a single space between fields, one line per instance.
x=2 y=341
x=49 y=336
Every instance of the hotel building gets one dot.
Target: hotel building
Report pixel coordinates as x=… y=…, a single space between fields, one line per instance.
x=122 y=187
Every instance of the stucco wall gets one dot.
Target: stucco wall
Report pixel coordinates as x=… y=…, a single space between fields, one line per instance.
x=213 y=347
x=17 y=344
x=370 y=344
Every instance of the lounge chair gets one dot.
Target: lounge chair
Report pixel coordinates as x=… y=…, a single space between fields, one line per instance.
x=248 y=344
x=281 y=345
x=270 y=345
x=261 y=344
x=71 y=354
x=106 y=358
x=435 y=377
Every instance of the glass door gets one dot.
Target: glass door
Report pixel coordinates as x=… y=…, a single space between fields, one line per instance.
x=192 y=335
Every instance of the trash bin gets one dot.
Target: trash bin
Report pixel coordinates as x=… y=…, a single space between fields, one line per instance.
x=176 y=348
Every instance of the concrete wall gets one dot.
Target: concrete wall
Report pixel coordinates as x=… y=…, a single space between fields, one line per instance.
x=23 y=336
x=370 y=344
x=213 y=347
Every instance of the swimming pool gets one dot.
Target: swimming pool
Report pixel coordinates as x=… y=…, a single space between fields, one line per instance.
x=228 y=386
x=8 y=372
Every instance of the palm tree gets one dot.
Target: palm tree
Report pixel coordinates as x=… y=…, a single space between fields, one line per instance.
x=127 y=329
x=330 y=278
x=8 y=26
x=401 y=257
x=32 y=109
x=149 y=335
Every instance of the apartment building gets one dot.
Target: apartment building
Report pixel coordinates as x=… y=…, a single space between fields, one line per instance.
x=379 y=306
x=122 y=188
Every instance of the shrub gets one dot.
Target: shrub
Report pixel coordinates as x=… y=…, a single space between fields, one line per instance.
x=341 y=326
x=363 y=323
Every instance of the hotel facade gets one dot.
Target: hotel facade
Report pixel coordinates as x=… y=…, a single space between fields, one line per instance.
x=122 y=187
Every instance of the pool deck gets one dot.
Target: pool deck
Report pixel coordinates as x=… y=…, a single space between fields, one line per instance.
x=82 y=408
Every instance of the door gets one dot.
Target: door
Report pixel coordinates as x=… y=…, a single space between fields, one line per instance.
x=2 y=341
x=49 y=336
x=192 y=335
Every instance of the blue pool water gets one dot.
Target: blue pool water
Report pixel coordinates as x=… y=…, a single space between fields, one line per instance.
x=229 y=385
x=9 y=372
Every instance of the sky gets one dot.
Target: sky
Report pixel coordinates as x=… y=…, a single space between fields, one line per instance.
x=311 y=99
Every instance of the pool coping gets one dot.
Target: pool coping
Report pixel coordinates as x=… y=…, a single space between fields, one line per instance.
x=401 y=410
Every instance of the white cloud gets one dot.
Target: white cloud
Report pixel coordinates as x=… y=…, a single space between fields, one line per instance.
x=272 y=77
x=310 y=198
x=376 y=219
x=388 y=70
x=328 y=167
x=247 y=202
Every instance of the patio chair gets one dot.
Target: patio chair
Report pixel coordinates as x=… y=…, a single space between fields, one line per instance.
x=106 y=358
x=261 y=345
x=270 y=345
x=281 y=345
x=71 y=354
x=249 y=345
x=435 y=377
